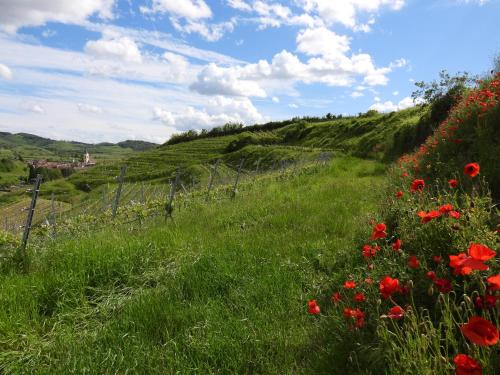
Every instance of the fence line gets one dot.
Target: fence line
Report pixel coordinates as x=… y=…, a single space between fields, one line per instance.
x=142 y=203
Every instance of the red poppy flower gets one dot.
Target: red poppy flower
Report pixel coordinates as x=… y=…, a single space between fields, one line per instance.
x=399 y=194
x=404 y=174
x=465 y=365
x=379 y=231
x=428 y=216
x=313 y=307
x=486 y=302
x=396 y=246
x=370 y=251
x=480 y=252
x=388 y=286
x=437 y=259
x=454 y=214
x=349 y=284
x=445 y=208
x=356 y=314
x=417 y=185
x=336 y=297
x=443 y=285
x=453 y=183
x=431 y=275
x=471 y=169
x=359 y=297
x=480 y=331
x=396 y=312
x=413 y=262
x=464 y=265
x=494 y=282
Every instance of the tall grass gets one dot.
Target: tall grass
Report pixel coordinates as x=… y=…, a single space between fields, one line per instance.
x=205 y=293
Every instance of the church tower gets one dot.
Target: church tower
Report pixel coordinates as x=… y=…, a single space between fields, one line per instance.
x=86 y=157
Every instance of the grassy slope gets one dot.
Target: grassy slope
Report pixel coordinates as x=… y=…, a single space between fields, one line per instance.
x=206 y=293
x=361 y=136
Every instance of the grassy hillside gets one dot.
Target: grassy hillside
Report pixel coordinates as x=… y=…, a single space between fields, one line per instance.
x=370 y=135
x=15 y=149
x=206 y=293
x=29 y=146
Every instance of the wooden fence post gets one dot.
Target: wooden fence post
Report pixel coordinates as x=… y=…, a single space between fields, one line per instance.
x=169 y=208
x=212 y=176
x=31 y=212
x=119 y=190
x=235 y=187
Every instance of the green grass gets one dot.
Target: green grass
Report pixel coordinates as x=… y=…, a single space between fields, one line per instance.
x=205 y=293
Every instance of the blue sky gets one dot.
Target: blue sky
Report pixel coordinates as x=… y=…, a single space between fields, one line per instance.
x=110 y=70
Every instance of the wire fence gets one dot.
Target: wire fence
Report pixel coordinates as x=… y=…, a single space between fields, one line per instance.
x=113 y=205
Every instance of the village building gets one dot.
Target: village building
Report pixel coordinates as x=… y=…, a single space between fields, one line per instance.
x=86 y=162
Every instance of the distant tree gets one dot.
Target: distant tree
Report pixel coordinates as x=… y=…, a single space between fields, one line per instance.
x=496 y=63
x=447 y=85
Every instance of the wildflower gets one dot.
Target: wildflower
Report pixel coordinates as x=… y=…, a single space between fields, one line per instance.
x=485 y=302
x=413 y=262
x=454 y=214
x=446 y=208
x=399 y=194
x=480 y=252
x=453 y=183
x=494 y=282
x=336 y=297
x=443 y=285
x=437 y=259
x=417 y=185
x=463 y=264
x=369 y=280
x=428 y=216
x=471 y=169
x=356 y=314
x=349 y=284
x=465 y=365
x=379 y=231
x=359 y=297
x=396 y=312
x=480 y=331
x=396 y=246
x=388 y=286
x=370 y=251
x=313 y=307
x=431 y=275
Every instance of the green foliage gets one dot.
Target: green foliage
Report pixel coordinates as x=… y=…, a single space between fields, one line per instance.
x=204 y=293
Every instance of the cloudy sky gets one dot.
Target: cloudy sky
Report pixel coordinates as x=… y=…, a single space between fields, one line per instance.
x=110 y=70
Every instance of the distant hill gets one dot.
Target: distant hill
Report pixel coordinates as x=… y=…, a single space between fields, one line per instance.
x=15 y=149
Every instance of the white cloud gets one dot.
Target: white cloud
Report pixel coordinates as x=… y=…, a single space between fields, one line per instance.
x=285 y=69
x=389 y=106
x=356 y=94
x=347 y=12
x=114 y=46
x=275 y=99
x=35 y=108
x=395 y=93
x=5 y=72
x=16 y=14
x=88 y=108
x=190 y=9
x=213 y=80
x=239 y=4
x=293 y=106
x=321 y=41
x=210 y=32
x=218 y=111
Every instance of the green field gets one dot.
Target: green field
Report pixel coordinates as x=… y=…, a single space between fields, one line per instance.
x=205 y=293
